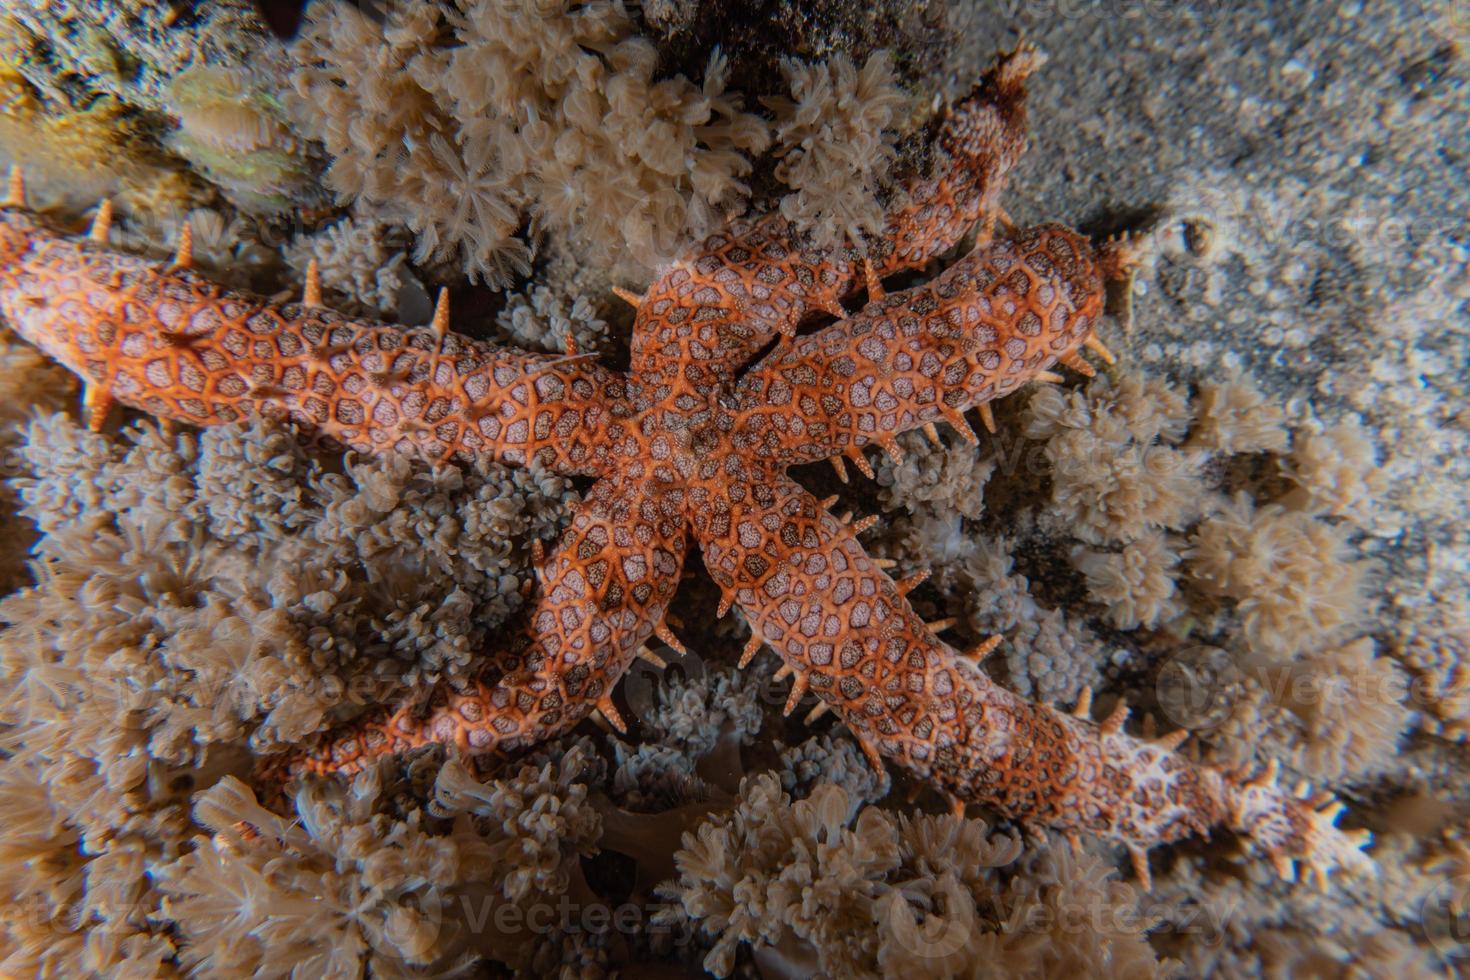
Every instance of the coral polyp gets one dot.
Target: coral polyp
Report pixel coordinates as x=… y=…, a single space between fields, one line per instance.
x=696 y=439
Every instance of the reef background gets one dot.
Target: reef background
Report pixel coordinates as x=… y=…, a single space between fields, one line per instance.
x=1254 y=527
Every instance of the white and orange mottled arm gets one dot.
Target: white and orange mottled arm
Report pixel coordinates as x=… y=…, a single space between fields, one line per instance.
x=169 y=342
x=989 y=324
x=600 y=594
x=710 y=312
x=848 y=635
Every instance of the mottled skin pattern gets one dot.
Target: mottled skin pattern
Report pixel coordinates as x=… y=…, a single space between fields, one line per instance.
x=982 y=329
x=686 y=441
x=181 y=347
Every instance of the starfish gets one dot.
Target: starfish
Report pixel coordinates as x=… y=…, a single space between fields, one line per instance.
x=695 y=439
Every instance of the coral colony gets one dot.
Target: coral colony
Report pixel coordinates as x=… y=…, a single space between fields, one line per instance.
x=693 y=438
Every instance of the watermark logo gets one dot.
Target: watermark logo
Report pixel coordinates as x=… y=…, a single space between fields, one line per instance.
x=1445 y=915
x=640 y=685
x=1196 y=687
x=936 y=937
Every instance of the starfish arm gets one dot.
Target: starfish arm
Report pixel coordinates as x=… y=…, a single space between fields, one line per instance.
x=711 y=311
x=168 y=342
x=981 y=137
x=850 y=637
x=986 y=326
x=602 y=592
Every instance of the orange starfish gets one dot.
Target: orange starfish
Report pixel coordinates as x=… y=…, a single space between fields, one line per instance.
x=686 y=441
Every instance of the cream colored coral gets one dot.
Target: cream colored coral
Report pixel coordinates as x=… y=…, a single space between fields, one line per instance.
x=262 y=895
x=1298 y=953
x=540 y=319
x=1336 y=472
x=696 y=712
x=1350 y=704
x=1436 y=647
x=951 y=479
x=191 y=592
x=1151 y=409
x=347 y=887
x=1294 y=579
x=825 y=887
x=742 y=878
x=1334 y=714
x=34 y=386
x=693 y=723
x=1136 y=584
x=529 y=828
x=1080 y=915
x=835 y=137
x=1235 y=417
x=45 y=876
x=825 y=759
x=1112 y=479
x=362 y=271
x=227 y=246
x=311 y=566
x=466 y=124
x=1110 y=491
x=1231 y=709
